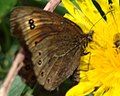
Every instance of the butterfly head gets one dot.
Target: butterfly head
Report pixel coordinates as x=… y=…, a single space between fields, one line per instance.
x=89 y=36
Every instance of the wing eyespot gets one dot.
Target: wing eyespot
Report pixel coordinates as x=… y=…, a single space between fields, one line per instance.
x=32 y=26
x=33 y=77
x=39 y=53
x=31 y=21
x=36 y=42
x=27 y=67
x=42 y=74
x=48 y=80
x=39 y=62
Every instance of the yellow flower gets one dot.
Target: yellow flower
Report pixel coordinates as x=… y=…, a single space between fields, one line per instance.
x=102 y=76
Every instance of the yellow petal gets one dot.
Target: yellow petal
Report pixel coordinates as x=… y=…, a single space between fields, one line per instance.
x=81 y=89
x=89 y=10
x=78 y=15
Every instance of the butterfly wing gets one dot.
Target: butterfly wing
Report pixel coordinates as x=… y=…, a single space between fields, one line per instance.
x=53 y=42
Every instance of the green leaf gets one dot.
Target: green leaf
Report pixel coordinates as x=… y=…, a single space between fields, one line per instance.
x=17 y=87
x=7 y=58
x=5 y=7
x=29 y=92
x=75 y=3
x=10 y=54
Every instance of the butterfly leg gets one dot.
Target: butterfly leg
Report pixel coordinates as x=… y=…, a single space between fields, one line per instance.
x=85 y=66
x=85 y=53
x=76 y=75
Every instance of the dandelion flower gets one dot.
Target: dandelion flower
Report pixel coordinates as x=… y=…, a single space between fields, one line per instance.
x=102 y=78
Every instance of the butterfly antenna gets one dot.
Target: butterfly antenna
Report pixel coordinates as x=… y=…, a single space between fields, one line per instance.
x=111 y=8
x=100 y=19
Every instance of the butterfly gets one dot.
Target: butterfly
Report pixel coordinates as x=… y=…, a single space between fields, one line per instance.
x=55 y=43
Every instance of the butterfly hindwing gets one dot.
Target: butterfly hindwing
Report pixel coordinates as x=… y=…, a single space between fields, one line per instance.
x=53 y=41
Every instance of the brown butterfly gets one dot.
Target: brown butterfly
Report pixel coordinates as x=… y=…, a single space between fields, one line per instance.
x=55 y=43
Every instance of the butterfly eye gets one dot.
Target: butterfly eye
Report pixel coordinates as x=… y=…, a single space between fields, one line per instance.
x=31 y=21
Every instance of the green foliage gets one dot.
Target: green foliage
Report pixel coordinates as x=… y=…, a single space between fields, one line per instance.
x=7 y=58
x=17 y=87
x=7 y=48
x=75 y=3
x=5 y=7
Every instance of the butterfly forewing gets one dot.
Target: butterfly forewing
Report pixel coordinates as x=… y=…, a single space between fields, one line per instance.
x=54 y=42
